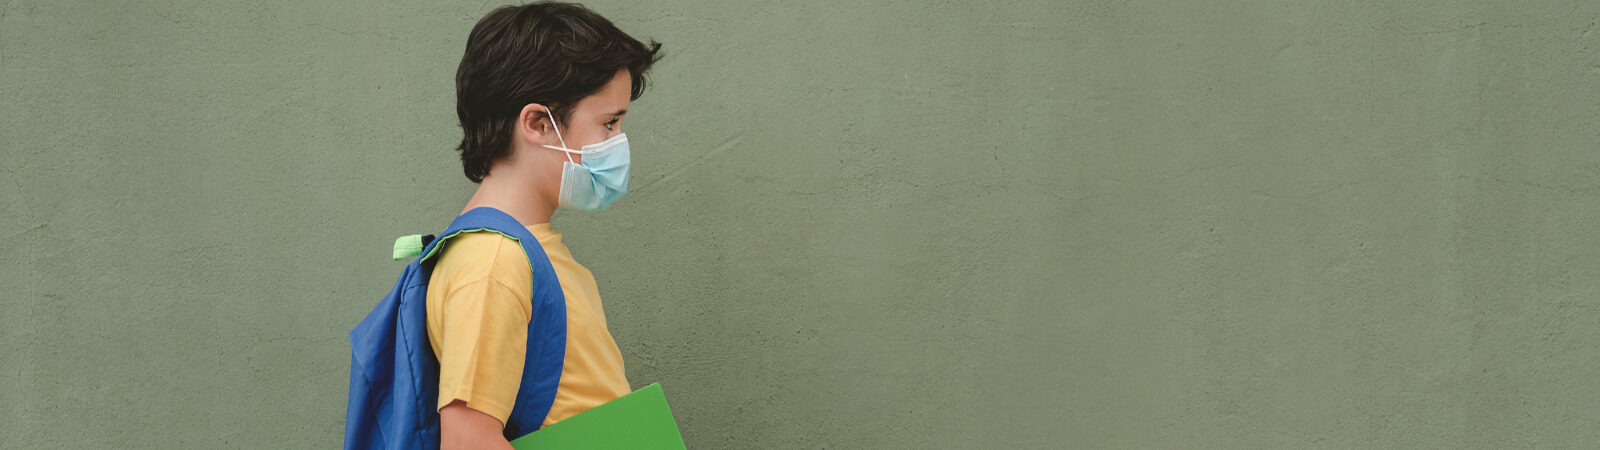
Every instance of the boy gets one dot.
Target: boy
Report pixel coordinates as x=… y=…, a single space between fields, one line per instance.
x=541 y=92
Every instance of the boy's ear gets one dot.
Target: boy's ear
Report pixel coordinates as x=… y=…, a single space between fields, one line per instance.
x=533 y=124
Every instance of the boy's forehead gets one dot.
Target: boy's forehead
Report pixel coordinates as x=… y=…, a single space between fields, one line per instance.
x=611 y=100
x=597 y=105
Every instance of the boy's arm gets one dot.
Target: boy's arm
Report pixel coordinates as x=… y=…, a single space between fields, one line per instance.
x=461 y=427
x=482 y=321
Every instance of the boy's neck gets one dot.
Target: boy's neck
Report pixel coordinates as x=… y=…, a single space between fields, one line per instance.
x=521 y=199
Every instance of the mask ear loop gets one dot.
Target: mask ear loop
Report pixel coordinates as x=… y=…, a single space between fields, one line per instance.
x=558 y=135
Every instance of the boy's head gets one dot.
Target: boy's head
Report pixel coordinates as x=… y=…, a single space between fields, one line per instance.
x=525 y=65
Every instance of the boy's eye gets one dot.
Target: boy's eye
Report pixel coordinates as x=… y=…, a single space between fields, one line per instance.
x=611 y=124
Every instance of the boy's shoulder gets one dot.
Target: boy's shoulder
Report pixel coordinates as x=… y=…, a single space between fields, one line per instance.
x=483 y=254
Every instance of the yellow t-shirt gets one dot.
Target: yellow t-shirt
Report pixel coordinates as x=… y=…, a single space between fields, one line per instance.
x=479 y=307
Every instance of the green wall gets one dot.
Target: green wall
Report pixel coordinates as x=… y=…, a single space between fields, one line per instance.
x=879 y=224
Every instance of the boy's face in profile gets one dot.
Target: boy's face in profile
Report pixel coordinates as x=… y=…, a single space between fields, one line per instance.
x=597 y=117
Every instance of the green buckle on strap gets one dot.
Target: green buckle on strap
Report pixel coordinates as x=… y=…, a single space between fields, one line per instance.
x=409 y=246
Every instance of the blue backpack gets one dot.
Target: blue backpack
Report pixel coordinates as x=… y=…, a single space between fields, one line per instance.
x=394 y=376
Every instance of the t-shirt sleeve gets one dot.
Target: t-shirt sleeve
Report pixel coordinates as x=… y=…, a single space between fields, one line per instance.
x=484 y=318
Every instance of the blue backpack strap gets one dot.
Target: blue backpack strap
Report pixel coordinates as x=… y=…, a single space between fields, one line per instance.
x=547 y=330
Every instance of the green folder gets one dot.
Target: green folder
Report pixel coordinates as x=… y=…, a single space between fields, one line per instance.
x=639 y=420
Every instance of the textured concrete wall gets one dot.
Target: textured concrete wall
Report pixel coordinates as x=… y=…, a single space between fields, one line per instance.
x=881 y=224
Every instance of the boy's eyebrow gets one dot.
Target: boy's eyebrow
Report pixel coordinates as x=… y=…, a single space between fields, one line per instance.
x=620 y=112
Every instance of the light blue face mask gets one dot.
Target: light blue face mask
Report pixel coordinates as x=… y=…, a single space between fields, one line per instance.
x=600 y=179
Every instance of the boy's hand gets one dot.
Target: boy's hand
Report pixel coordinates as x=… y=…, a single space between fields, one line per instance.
x=463 y=428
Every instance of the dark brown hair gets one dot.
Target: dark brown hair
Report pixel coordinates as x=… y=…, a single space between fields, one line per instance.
x=549 y=53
